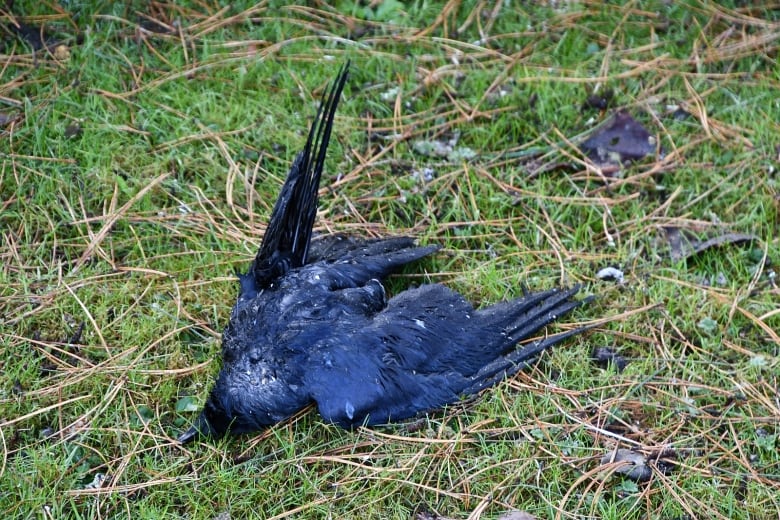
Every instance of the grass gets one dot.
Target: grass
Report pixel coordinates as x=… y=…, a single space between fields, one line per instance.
x=141 y=154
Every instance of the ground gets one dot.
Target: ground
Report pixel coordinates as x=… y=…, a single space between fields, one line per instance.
x=142 y=146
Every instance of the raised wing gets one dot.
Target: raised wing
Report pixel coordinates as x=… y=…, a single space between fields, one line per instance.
x=287 y=238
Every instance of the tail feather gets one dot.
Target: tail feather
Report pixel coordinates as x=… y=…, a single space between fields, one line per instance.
x=287 y=238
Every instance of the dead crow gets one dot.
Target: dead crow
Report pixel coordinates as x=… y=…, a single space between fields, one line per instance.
x=313 y=323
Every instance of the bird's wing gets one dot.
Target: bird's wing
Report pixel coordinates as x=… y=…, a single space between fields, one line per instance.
x=354 y=264
x=337 y=246
x=286 y=240
x=427 y=348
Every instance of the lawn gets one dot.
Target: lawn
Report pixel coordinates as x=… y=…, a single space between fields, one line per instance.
x=142 y=146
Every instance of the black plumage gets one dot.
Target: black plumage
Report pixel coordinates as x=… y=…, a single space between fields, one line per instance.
x=313 y=323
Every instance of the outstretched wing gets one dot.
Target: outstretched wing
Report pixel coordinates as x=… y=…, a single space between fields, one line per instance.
x=427 y=348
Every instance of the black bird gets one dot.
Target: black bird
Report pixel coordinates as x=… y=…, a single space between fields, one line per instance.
x=313 y=323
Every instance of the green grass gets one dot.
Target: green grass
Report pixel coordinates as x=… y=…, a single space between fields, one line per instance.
x=141 y=166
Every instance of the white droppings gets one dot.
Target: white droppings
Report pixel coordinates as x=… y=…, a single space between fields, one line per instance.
x=610 y=273
x=349 y=409
x=419 y=323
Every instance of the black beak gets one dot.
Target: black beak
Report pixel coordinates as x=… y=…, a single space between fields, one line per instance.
x=201 y=428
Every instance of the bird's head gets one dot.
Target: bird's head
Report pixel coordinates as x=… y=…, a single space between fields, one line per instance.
x=213 y=422
x=243 y=401
x=221 y=415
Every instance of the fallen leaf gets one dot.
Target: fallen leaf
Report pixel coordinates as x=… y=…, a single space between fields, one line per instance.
x=6 y=119
x=73 y=130
x=684 y=244
x=620 y=141
x=604 y=356
x=428 y=515
x=517 y=515
x=38 y=38
x=638 y=466
x=35 y=36
x=629 y=463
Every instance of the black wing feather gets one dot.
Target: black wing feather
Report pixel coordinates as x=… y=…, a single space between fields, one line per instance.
x=286 y=241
